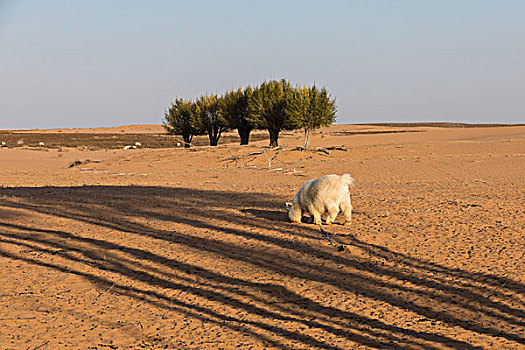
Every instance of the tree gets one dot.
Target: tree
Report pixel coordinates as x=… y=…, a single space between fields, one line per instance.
x=209 y=118
x=268 y=108
x=235 y=112
x=180 y=119
x=311 y=108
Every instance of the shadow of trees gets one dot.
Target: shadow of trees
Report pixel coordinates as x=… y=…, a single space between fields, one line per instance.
x=291 y=285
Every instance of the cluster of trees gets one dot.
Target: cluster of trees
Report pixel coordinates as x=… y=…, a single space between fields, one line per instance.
x=273 y=105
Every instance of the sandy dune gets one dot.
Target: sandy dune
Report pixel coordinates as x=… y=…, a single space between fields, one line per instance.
x=191 y=249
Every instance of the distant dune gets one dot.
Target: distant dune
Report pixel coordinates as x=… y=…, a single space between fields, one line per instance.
x=158 y=128
x=443 y=124
x=134 y=129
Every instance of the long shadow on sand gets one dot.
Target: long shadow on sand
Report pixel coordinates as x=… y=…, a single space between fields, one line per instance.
x=251 y=229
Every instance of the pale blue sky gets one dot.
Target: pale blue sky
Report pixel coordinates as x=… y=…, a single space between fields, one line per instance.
x=108 y=63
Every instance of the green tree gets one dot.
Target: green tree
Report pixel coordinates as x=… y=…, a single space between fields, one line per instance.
x=235 y=112
x=180 y=119
x=209 y=117
x=268 y=108
x=311 y=108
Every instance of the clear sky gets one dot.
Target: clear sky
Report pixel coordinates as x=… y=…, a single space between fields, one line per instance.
x=109 y=63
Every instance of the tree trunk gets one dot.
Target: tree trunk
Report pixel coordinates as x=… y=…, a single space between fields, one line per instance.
x=244 y=134
x=214 y=135
x=187 y=140
x=213 y=140
x=307 y=134
x=274 y=136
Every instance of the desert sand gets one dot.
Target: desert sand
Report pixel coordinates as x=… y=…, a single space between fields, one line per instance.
x=172 y=248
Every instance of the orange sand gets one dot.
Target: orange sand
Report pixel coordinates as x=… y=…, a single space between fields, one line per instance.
x=192 y=249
